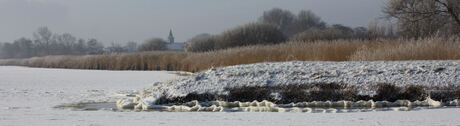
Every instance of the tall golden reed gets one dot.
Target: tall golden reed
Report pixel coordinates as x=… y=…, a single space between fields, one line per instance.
x=339 y=50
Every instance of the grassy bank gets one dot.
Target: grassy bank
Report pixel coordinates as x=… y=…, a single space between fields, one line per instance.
x=340 y=50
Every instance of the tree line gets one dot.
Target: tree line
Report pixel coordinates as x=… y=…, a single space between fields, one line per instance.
x=407 y=19
x=425 y=18
x=278 y=25
x=46 y=43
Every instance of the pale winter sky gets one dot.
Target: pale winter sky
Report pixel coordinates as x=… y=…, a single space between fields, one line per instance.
x=120 y=21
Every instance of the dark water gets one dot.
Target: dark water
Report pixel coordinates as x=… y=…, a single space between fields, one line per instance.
x=96 y=106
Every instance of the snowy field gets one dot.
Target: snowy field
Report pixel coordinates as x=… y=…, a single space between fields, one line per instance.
x=28 y=96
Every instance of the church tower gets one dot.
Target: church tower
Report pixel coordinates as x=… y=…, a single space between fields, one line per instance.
x=171 y=37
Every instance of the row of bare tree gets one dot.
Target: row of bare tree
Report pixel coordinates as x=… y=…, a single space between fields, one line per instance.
x=425 y=18
x=404 y=19
x=278 y=25
x=46 y=43
x=410 y=19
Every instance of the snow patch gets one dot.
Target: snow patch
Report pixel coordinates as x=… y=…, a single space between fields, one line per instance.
x=362 y=75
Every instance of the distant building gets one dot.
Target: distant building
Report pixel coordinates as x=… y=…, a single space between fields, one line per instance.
x=174 y=46
x=171 y=37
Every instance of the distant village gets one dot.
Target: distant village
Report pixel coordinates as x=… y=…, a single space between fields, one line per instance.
x=171 y=45
x=175 y=46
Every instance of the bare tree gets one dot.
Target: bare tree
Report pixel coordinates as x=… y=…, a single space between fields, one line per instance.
x=374 y=31
x=422 y=18
x=310 y=35
x=201 y=43
x=344 y=32
x=64 y=44
x=152 y=45
x=94 y=47
x=379 y=28
x=451 y=7
x=80 y=47
x=279 y=17
x=304 y=21
x=20 y=48
x=24 y=48
x=2 y=52
x=250 y=34
x=68 y=40
x=130 y=47
x=360 y=33
x=334 y=32
x=7 y=51
x=45 y=43
x=291 y=24
x=43 y=39
x=115 y=48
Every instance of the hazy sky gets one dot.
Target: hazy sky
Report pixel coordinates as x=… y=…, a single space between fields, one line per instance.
x=120 y=21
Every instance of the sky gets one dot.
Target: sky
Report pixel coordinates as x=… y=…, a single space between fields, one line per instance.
x=120 y=21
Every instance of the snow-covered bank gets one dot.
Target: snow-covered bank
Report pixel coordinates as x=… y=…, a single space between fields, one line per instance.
x=364 y=76
x=28 y=96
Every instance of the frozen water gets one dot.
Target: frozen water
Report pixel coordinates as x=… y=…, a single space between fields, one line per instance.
x=32 y=94
x=28 y=97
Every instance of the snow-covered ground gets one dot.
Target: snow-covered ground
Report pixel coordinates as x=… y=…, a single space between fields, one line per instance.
x=28 y=95
x=361 y=75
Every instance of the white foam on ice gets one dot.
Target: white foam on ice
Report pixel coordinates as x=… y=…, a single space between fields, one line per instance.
x=266 y=106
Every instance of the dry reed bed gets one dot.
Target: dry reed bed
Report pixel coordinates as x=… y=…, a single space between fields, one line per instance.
x=339 y=50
